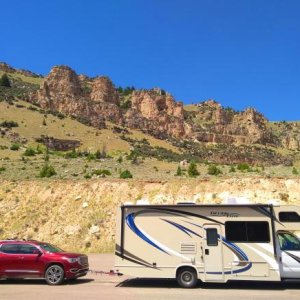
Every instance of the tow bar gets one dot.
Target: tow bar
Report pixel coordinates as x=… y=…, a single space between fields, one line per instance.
x=111 y=273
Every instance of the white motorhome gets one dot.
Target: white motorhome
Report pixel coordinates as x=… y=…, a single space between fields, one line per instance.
x=213 y=243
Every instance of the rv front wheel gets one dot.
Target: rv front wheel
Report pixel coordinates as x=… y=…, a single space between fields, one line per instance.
x=187 y=278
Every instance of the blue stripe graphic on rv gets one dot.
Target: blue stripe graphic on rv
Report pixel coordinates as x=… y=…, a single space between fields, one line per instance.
x=130 y=222
x=182 y=228
x=235 y=249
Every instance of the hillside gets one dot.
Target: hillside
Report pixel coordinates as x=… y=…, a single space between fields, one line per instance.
x=80 y=215
x=66 y=139
x=149 y=123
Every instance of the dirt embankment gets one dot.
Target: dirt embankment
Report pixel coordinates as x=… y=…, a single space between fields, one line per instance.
x=80 y=215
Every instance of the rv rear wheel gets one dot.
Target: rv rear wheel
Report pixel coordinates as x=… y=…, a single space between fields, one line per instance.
x=187 y=278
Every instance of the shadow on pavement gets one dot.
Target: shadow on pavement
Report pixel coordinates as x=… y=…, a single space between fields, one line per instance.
x=41 y=282
x=238 y=285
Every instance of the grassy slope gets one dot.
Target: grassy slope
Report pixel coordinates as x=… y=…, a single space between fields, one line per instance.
x=92 y=139
x=34 y=80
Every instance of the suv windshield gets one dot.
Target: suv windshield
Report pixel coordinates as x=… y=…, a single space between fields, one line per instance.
x=288 y=241
x=50 y=248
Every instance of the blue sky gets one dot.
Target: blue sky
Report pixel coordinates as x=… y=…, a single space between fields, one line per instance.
x=240 y=53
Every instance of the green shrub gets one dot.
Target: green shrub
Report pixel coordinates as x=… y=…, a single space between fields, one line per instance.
x=101 y=172
x=4 y=80
x=192 y=170
x=120 y=159
x=179 y=171
x=29 y=152
x=214 y=170
x=126 y=174
x=243 y=167
x=47 y=171
x=295 y=171
x=9 y=124
x=2 y=169
x=71 y=154
x=232 y=169
x=91 y=156
x=15 y=147
x=87 y=176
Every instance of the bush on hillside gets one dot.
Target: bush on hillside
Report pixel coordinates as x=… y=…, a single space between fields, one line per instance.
x=15 y=147
x=29 y=152
x=47 y=171
x=192 y=170
x=4 y=80
x=214 y=170
x=243 y=167
x=179 y=172
x=232 y=169
x=9 y=124
x=126 y=174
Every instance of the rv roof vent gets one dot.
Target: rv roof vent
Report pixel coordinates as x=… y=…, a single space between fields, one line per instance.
x=142 y=202
x=186 y=203
x=188 y=248
x=237 y=200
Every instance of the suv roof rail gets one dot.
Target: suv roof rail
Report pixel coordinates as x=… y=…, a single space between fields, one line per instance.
x=16 y=240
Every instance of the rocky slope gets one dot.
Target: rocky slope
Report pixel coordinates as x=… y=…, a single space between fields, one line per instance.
x=206 y=131
x=80 y=215
x=97 y=101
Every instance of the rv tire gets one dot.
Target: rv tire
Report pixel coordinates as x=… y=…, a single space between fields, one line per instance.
x=187 y=277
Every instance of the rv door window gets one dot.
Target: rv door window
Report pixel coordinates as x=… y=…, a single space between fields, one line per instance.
x=212 y=237
x=288 y=241
x=250 y=232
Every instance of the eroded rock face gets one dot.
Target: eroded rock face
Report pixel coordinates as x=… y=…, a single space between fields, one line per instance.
x=64 y=91
x=223 y=125
x=103 y=90
x=96 y=101
x=157 y=113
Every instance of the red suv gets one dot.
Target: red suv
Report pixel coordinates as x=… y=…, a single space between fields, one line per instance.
x=33 y=259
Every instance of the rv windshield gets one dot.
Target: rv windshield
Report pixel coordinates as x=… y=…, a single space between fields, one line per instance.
x=288 y=241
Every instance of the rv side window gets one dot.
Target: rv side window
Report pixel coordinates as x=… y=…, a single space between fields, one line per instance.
x=253 y=232
x=212 y=237
x=289 y=216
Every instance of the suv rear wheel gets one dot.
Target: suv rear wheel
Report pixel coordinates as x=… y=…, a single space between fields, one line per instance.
x=54 y=275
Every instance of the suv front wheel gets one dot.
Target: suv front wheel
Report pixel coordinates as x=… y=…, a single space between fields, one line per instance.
x=54 y=275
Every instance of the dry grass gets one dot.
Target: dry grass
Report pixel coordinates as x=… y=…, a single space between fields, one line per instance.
x=34 y=80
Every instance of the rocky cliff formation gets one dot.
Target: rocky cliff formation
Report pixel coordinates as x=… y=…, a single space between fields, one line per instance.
x=97 y=100
x=156 y=113
x=215 y=124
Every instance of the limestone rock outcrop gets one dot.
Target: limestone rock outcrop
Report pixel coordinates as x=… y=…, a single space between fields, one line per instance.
x=224 y=125
x=96 y=100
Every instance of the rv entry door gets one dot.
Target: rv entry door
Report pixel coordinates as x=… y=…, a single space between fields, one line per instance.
x=212 y=253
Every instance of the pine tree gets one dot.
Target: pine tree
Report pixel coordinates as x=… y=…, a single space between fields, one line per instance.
x=4 y=81
x=178 y=172
x=192 y=170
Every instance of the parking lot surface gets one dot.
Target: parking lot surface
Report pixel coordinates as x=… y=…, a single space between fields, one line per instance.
x=96 y=286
